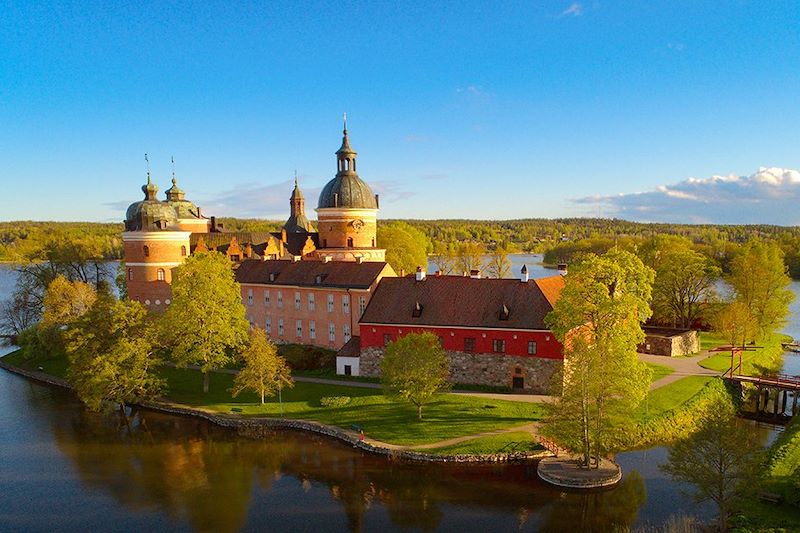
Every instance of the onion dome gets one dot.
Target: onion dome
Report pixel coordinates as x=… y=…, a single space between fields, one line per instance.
x=347 y=190
x=298 y=222
x=150 y=214
x=176 y=198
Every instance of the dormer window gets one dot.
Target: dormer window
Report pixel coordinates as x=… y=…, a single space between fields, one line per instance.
x=417 y=312
x=272 y=276
x=504 y=313
x=318 y=279
x=161 y=224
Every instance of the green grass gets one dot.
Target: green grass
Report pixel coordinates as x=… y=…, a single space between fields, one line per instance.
x=446 y=417
x=764 y=360
x=672 y=396
x=55 y=366
x=659 y=371
x=709 y=340
x=515 y=441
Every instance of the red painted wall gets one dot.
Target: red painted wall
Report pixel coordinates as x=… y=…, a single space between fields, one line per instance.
x=453 y=339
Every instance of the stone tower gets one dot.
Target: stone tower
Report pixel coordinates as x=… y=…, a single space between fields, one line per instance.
x=347 y=213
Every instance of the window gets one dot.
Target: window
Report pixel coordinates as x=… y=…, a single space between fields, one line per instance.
x=346 y=304
x=146 y=250
x=330 y=303
x=266 y=298
x=312 y=329
x=531 y=347
x=332 y=332
x=346 y=332
x=280 y=300
x=298 y=302
x=130 y=274
x=280 y=327
x=161 y=274
x=311 y=302
x=362 y=305
x=387 y=338
x=235 y=258
x=183 y=251
x=299 y=328
x=349 y=242
x=268 y=325
x=469 y=344
x=249 y=296
x=499 y=346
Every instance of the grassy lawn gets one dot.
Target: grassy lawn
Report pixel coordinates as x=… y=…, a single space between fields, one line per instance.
x=659 y=371
x=55 y=366
x=515 y=441
x=759 y=361
x=709 y=340
x=672 y=396
x=448 y=416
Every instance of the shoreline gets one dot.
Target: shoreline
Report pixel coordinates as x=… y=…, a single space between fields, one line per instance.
x=239 y=422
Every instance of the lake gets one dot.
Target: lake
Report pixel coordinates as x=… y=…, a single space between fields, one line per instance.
x=64 y=468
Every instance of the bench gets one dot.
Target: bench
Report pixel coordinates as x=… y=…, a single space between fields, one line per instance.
x=770 y=497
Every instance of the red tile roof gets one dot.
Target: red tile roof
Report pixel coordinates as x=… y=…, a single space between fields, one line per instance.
x=462 y=301
x=312 y=273
x=551 y=287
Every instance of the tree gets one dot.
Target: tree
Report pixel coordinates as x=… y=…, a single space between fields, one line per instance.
x=205 y=324
x=499 y=265
x=444 y=257
x=470 y=256
x=598 y=320
x=264 y=372
x=111 y=351
x=721 y=459
x=65 y=301
x=406 y=246
x=735 y=323
x=414 y=368
x=19 y=313
x=759 y=280
x=684 y=282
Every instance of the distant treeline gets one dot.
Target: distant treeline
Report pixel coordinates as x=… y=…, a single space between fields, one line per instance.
x=559 y=239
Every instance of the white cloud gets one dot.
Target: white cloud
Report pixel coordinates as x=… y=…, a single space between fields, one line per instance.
x=769 y=196
x=574 y=10
x=255 y=200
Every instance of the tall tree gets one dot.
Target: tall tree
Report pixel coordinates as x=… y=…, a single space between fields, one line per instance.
x=65 y=301
x=470 y=256
x=759 y=280
x=598 y=320
x=205 y=324
x=499 y=265
x=414 y=368
x=406 y=246
x=721 y=459
x=684 y=282
x=264 y=372
x=111 y=350
x=444 y=257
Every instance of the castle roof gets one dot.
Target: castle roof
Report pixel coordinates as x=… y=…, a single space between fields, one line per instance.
x=333 y=274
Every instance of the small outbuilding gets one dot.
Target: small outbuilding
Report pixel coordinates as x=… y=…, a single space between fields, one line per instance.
x=669 y=342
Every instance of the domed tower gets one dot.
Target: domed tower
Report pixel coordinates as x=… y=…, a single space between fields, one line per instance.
x=154 y=244
x=347 y=213
x=189 y=217
x=297 y=222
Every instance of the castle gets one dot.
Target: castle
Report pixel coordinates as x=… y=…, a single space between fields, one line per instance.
x=160 y=234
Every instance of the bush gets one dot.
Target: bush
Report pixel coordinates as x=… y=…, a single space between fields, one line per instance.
x=334 y=401
x=302 y=357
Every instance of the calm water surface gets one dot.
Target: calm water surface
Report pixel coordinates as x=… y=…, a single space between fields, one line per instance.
x=64 y=468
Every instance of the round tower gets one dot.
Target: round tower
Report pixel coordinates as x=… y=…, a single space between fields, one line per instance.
x=347 y=212
x=154 y=244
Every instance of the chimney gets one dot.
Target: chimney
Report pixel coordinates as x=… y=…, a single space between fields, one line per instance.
x=475 y=274
x=295 y=258
x=420 y=276
x=524 y=273
x=359 y=259
x=213 y=224
x=438 y=273
x=562 y=269
x=377 y=201
x=199 y=213
x=326 y=259
x=283 y=235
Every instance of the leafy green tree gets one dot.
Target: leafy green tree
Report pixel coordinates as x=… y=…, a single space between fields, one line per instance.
x=722 y=459
x=598 y=320
x=735 y=323
x=111 y=350
x=759 y=280
x=499 y=265
x=205 y=324
x=414 y=368
x=406 y=246
x=264 y=372
x=65 y=301
x=684 y=282
x=444 y=257
x=470 y=256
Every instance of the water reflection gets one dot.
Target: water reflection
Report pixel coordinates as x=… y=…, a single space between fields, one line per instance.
x=184 y=474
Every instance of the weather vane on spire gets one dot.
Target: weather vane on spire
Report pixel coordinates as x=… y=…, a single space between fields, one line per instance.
x=148 y=167
x=172 y=159
x=295 y=177
x=344 y=115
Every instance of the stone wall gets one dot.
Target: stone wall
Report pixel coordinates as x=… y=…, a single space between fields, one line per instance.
x=483 y=369
x=670 y=342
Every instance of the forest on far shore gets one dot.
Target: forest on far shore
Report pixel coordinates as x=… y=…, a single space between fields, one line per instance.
x=560 y=240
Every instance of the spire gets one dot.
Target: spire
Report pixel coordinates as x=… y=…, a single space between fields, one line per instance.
x=345 y=156
x=149 y=189
x=297 y=222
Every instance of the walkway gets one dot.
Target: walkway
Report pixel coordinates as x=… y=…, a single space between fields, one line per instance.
x=681 y=367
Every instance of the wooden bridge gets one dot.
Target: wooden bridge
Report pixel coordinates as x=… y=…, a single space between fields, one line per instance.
x=775 y=389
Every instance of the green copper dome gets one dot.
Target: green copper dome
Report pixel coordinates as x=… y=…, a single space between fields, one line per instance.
x=176 y=198
x=347 y=189
x=150 y=214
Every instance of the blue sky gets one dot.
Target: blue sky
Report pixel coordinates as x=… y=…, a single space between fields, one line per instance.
x=458 y=110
